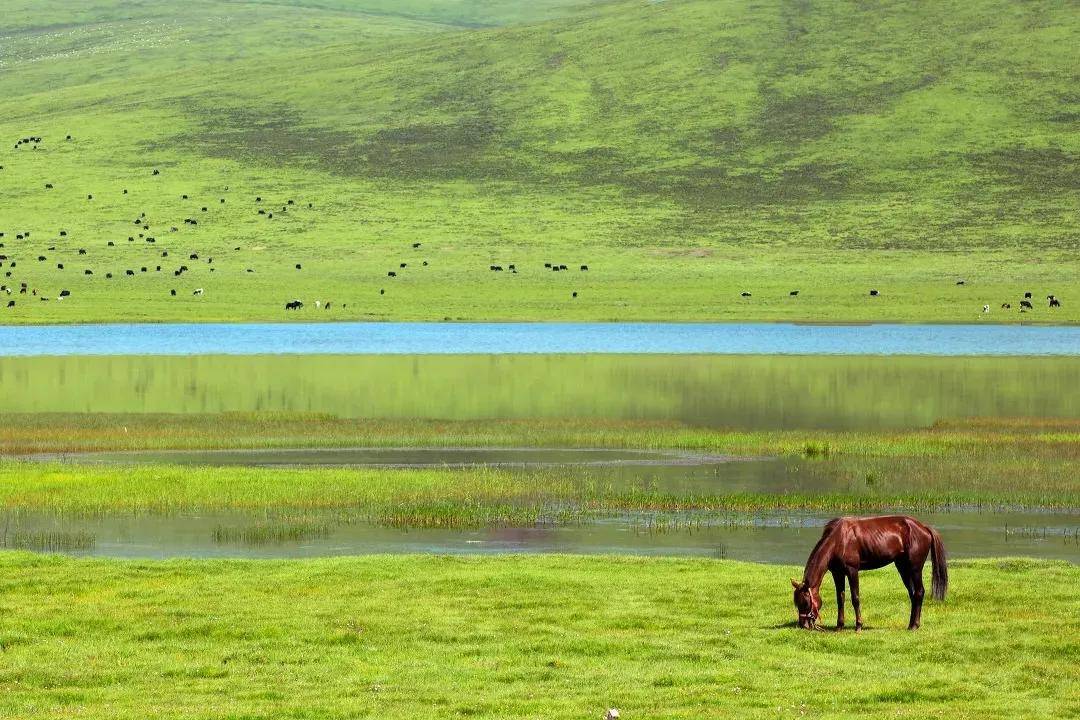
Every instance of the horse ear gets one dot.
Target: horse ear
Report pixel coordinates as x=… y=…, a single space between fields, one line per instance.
x=795 y=583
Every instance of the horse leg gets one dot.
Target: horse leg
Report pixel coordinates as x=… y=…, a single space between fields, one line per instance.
x=917 y=592
x=838 y=578
x=853 y=581
x=904 y=568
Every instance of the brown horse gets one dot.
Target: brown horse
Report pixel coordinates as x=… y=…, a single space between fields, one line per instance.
x=849 y=545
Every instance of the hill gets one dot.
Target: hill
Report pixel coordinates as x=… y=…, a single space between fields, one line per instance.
x=686 y=151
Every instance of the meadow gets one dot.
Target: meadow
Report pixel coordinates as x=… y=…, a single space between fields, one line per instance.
x=827 y=148
x=510 y=637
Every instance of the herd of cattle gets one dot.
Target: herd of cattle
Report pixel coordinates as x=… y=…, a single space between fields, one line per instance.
x=142 y=234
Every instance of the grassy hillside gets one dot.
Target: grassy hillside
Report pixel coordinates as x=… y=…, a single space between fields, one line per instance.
x=686 y=151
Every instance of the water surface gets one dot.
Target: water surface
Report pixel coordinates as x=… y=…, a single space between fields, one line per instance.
x=498 y=338
x=755 y=392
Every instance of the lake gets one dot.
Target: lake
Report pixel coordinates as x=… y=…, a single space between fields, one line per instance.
x=498 y=338
x=736 y=391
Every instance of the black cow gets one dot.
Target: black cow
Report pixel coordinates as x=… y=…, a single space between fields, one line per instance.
x=193 y=256
x=745 y=294
x=294 y=305
x=132 y=272
x=173 y=293
x=1027 y=296
x=298 y=266
x=88 y=272
x=59 y=266
x=584 y=268
x=793 y=293
x=1054 y=302
x=1026 y=304
x=873 y=293
x=82 y=251
x=416 y=245
x=391 y=274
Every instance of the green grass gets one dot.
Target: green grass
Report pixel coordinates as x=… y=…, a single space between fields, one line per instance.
x=517 y=637
x=830 y=147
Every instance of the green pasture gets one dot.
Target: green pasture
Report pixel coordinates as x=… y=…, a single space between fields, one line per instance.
x=687 y=151
x=520 y=637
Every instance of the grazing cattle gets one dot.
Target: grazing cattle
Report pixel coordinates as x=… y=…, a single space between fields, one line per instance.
x=1026 y=304
x=125 y=191
x=1054 y=302
x=197 y=291
x=584 y=268
x=250 y=270
x=173 y=293
x=111 y=243
x=318 y=304
x=1027 y=296
x=89 y=197
x=403 y=265
x=193 y=256
x=48 y=186
x=382 y=291
x=132 y=272
x=258 y=199
x=424 y=263
x=745 y=294
x=88 y=272
x=157 y=269
x=1006 y=306
x=873 y=293
x=294 y=305
x=59 y=266
x=82 y=251
x=157 y=172
x=562 y=267
x=63 y=233
x=151 y=240
x=986 y=308
x=68 y=137
x=262 y=212
x=204 y=208
x=271 y=215
x=65 y=293
x=222 y=200
x=391 y=274
x=793 y=293
x=416 y=245
x=41 y=258
x=290 y=202
x=298 y=266
x=11 y=303
x=573 y=294
x=108 y=276
x=183 y=197
x=959 y=282
x=547 y=265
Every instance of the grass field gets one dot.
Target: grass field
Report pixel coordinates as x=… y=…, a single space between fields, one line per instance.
x=686 y=151
x=517 y=637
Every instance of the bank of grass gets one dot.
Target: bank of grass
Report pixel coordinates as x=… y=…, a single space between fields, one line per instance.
x=27 y=433
x=520 y=637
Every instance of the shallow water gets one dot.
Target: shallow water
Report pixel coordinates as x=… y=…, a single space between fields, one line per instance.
x=772 y=538
x=498 y=338
x=755 y=392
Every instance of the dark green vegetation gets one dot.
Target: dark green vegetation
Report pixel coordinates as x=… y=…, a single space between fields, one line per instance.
x=685 y=150
x=516 y=637
x=770 y=392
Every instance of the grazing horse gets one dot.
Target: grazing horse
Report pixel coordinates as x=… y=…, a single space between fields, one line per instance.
x=849 y=545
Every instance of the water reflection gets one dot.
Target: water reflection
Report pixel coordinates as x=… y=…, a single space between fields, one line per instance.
x=761 y=392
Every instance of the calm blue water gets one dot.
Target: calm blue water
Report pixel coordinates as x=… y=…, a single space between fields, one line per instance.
x=455 y=338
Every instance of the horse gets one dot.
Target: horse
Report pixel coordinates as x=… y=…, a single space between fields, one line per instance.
x=849 y=545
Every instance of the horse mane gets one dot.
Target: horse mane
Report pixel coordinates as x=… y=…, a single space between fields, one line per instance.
x=813 y=563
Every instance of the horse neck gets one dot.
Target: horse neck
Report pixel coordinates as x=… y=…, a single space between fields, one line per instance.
x=818 y=562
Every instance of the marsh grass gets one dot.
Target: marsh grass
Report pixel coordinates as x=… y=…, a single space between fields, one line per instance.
x=277 y=531
x=47 y=540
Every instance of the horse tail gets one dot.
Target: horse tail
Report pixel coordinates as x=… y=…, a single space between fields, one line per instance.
x=940 y=574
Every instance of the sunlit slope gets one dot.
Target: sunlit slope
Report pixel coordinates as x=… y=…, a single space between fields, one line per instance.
x=685 y=151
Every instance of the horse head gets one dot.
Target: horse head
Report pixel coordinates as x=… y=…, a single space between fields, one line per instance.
x=807 y=603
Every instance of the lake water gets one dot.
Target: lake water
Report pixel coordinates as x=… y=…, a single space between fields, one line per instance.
x=453 y=338
x=773 y=538
x=736 y=391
